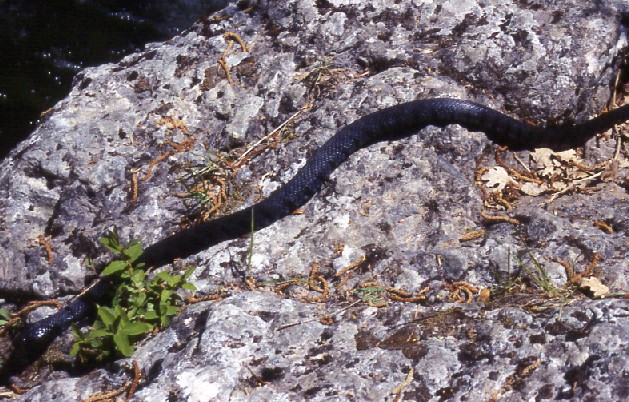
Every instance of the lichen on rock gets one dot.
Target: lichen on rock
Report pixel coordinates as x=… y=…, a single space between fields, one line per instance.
x=394 y=215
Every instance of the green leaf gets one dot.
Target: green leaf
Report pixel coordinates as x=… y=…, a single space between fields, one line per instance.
x=165 y=296
x=137 y=328
x=122 y=343
x=162 y=276
x=119 y=311
x=132 y=314
x=107 y=315
x=189 y=286
x=189 y=272
x=126 y=289
x=172 y=310
x=174 y=280
x=125 y=274
x=113 y=267
x=76 y=333
x=138 y=277
x=75 y=349
x=133 y=250
x=97 y=333
x=151 y=315
x=139 y=300
x=99 y=325
x=110 y=246
x=112 y=241
x=95 y=343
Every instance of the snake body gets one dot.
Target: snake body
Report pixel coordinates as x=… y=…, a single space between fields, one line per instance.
x=389 y=124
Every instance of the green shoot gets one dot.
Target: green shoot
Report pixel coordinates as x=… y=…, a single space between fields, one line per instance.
x=5 y=316
x=140 y=304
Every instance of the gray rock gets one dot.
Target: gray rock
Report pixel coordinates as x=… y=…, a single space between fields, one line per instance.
x=402 y=206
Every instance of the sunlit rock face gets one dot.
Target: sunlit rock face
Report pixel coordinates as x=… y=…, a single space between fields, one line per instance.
x=395 y=219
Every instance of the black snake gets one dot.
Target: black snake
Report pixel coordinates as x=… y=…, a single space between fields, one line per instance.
x=385 y=125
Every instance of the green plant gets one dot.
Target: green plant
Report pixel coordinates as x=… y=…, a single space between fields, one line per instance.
x=539 y=276
x=140 y=304
x=370 y=294
x=250 y=251
x=506 y=282
x=4 y=316
x=199 y=183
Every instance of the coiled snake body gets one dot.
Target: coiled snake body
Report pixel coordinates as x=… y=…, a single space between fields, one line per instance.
x=385 y=125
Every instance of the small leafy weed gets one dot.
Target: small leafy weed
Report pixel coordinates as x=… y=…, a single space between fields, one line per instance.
x=250 y=251
x=371 y=294
x=539 y=277
x=139 y=306
x=4 y=316
x=199 y=183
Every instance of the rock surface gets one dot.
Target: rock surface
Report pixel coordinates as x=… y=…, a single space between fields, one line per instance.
x=399 y=213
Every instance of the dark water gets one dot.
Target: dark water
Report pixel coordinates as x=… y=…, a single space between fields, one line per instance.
x=43 y=43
